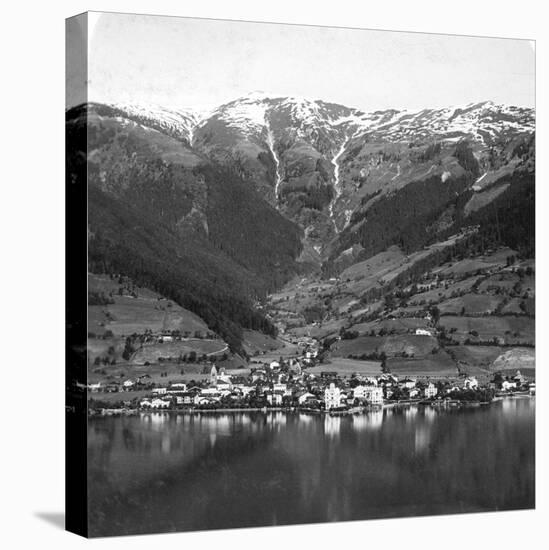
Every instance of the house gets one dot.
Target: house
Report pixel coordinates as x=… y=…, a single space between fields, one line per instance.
x=519 y=379
x=423 y=332
x=145 y=404
x=244 y=389
x=159 y=391
x=304 y=397
x=94 y=388
x=176 y=389
x=274 y=365
x=506 y=385
x=407 y=383
x=430 y=391
x=160 y=403
x=186 y=398
x=128 y=384
x=414 y=392
x=332 y=397
x=532 y=388
x=274 y=398
x=470 y=383
x=282 y=388
x=373 y=395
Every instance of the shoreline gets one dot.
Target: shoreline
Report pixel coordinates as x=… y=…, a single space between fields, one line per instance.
x=347 y=412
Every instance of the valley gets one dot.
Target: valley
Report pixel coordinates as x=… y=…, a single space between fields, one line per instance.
x=389 y=242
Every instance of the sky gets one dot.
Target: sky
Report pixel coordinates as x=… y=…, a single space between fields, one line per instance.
x=185 y=62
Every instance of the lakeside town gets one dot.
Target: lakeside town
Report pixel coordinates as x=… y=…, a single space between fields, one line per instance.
x=289 y=383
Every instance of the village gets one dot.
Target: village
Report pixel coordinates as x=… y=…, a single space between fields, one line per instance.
x=291 y=384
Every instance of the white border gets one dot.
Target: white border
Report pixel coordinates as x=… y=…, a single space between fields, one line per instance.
x=32 y=209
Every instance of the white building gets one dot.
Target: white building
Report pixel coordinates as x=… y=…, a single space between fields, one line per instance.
x=332 y=397
x=160 y=403
x=423 y=332
x=274 y=398
x=159 y=391
x=177 y=388
x=407 y=383
x=506 y=385
x=128 y=384
x=281 y=388
x=430 y=391
x=304 y=397
x=470 y=383
x=371 y=394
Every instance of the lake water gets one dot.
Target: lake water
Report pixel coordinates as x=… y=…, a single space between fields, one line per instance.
x=165 y=472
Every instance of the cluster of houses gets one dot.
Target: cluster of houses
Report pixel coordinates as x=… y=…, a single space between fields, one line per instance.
x=286 y=384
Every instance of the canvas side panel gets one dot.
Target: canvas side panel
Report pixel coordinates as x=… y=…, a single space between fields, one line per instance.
x=76 y=495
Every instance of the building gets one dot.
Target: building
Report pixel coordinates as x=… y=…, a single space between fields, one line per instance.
x=177 y=389
x=160 y=391
x=160 y=403
x=274 y=398
x=281 y=388
x=430 y=391
x=304 y=397
x=506 y=385
x=519 y=379
x=332 y=397
x=423 y=332
x=373 y=395
x=407 y=383
x=470 y=383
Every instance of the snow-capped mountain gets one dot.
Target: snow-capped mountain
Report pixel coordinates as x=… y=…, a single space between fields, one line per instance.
x=179 y=123
x=326 y=166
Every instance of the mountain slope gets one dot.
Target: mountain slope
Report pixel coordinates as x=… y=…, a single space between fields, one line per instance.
x=216 y=211
x=164 y=216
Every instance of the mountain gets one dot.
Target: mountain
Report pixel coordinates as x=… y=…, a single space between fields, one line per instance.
x=323 y=164
x=216 y=210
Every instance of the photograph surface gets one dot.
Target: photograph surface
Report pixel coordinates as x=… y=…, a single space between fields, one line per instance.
x=310 y=272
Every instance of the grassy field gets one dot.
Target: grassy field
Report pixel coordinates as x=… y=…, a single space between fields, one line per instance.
x=347 y=367
x=399 y=326
x=440 y=364
x=320 y=331
x=511 y=360
x=470 y=266
x=257 y=342
x=442 y=292
x=513 y=330
x=471 y=304
x=136 y=313
x=410 y=344
x=153 y=352
x=476 y=356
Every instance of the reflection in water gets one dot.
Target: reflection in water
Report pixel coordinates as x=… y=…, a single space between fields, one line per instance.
x=371 y=420
x=332 y=425
x=162 y=472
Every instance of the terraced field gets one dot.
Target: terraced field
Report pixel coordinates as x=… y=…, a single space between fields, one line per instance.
x=412 y=345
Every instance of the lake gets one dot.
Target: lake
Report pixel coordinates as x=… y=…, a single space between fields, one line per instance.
x=164 y=472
